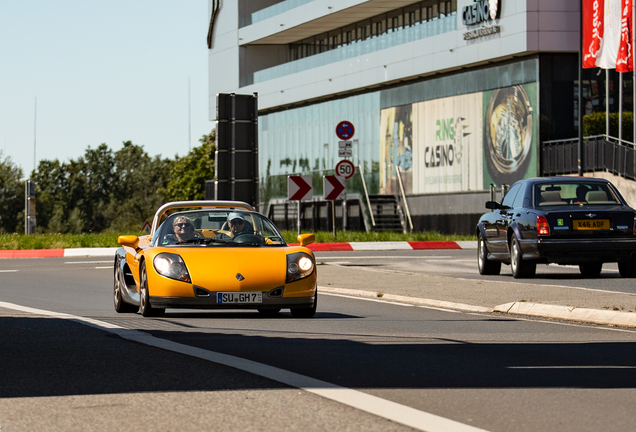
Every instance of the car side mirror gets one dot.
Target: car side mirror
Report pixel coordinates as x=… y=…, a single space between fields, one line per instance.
x=128 y=240
x=493 y=205
x=306 y=239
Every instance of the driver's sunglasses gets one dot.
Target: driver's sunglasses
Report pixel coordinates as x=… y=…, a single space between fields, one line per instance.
x=182 y=225
x=238 y=222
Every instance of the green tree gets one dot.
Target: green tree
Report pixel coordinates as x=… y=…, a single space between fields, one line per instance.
x=189 y=174
x=139 y=184
x=11 y=195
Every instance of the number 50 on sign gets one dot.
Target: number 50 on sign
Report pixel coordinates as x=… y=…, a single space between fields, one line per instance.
x=346 y=169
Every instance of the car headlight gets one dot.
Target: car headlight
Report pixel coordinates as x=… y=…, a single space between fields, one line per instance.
x=299 y=266
x=171 y=266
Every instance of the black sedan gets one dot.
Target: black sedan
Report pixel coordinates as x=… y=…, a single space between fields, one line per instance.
x=563 y=220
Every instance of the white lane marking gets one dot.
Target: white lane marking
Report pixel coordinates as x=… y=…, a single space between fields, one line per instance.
x=109 y=267
x=539 y=285
x=8 y=271
x=87 y=262
x=380 y=300
x=384 y=408
x=572 y=367
x=385 y=257
x=367 y=299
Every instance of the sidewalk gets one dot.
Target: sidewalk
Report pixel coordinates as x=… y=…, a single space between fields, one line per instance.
x=508 y=295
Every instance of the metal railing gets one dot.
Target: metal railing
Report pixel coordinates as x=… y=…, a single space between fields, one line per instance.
x=600 y=153
x=405 y=203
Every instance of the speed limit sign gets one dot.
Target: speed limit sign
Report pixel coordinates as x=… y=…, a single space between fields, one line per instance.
x=345 y=168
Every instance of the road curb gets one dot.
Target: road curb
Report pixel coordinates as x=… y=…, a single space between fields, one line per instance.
x=594 y=316
x=316 y=247
x=566 y=313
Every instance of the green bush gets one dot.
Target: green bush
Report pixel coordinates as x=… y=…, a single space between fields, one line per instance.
x=594 y=124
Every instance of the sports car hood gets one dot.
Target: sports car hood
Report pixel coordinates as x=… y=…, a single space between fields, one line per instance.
x=220 y=268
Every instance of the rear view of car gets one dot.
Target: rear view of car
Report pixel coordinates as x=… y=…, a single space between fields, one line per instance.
x=562 y=220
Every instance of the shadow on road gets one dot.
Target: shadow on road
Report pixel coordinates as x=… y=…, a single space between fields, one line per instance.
x=51 y=357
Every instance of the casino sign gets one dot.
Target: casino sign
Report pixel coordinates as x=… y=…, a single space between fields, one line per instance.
x=480 y=11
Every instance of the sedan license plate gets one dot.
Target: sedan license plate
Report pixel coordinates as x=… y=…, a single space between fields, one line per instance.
x=596 y=224
x=239 y=297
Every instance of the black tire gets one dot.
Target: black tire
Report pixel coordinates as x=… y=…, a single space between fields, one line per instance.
x=486 y=267
x=269 y=313
x=519 y=267
x=590 y=270
x=120 y=305
x=306 y=312
x=627 y=269
x=145 y=309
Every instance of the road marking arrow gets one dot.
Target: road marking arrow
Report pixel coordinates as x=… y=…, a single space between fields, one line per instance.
x=299 y=188
x=334 y=187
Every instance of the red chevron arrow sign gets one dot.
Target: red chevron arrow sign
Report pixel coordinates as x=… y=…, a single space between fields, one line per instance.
x=334 y=187
x=298 y=188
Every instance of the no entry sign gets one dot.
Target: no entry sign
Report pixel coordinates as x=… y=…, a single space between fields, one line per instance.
x=345 y=130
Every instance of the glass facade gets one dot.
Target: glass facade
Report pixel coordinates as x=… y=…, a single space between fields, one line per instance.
x=382 y=41
x=303 y=140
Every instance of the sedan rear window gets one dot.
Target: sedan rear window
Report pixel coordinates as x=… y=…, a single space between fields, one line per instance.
x=573 y=193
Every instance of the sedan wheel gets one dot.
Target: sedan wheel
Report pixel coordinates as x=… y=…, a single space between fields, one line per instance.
x=627 y=269
x=145 y=308
x=590 y=270
x=120 y=305
x=485 y=266
x=519 y=267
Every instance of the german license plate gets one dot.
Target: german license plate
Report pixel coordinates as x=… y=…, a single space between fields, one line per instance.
x=239 y=297
x=594 y=224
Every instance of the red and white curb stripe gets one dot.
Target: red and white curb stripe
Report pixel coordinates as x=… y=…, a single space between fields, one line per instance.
x=318 y=247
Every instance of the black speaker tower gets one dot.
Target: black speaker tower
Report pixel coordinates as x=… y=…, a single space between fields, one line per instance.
x=236 y=158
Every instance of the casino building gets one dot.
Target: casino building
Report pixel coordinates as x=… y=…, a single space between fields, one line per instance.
x=447 y=97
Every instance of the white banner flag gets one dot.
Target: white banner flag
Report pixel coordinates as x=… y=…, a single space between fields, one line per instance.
x=608 y=53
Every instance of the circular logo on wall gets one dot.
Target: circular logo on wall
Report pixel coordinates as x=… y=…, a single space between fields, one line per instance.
x=493 y=6
x=508 y=134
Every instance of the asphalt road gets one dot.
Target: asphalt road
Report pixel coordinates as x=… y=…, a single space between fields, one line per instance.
x=482 y=370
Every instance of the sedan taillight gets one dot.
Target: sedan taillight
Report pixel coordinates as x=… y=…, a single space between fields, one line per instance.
x=543 y=229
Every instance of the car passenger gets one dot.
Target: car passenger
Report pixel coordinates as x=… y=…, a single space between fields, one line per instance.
x=183 y=231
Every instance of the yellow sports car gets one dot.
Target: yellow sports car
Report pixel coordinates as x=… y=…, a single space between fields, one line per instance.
x=223 y=255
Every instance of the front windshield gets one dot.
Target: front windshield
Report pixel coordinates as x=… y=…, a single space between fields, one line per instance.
x=577 y=193
x=219 y=228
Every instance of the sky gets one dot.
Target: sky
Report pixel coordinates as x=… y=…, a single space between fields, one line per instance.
x=102 y=72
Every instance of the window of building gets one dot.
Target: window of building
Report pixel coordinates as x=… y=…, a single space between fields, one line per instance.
x=392 y=21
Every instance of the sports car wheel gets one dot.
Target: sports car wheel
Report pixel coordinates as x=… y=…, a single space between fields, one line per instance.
x=144 y=298
x=486 y=267
x=519 y=267
x=306 y=312
x=269 y=313
x=627 y=269
x=590 y=270
x=120 y=305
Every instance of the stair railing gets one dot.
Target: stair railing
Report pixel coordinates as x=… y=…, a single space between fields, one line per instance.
x=404 y=201
x=366 y=194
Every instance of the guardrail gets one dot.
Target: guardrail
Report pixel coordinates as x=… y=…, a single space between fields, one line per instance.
x=600 y=153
